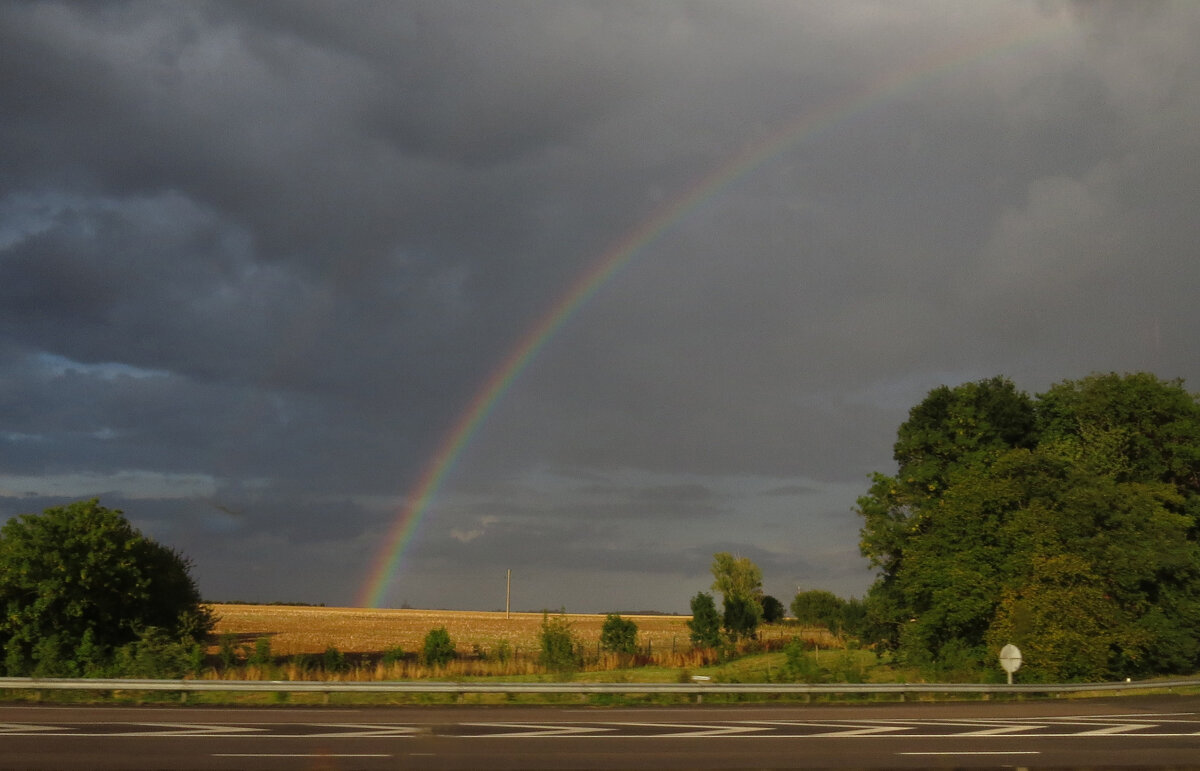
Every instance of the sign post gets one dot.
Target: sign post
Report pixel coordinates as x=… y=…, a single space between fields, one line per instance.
x=1010 y=660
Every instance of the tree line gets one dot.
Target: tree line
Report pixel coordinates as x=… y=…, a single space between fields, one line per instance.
x=744 y=606
x=1067 y=523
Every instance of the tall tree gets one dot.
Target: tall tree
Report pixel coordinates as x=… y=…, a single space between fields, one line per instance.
x=739 y=581
x=81 y=578
x=705 y=624
x=1096 y=507
x=948 y=432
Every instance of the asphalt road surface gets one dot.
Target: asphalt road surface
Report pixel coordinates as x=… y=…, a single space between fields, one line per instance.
x=1159 y=732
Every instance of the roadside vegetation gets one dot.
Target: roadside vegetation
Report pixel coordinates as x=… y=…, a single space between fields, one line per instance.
x=1066 y=523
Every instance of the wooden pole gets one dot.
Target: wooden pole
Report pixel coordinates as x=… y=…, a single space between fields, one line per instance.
x=507 y=593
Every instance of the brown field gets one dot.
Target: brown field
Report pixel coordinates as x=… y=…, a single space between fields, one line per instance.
x=305 y=629
x=362 y=631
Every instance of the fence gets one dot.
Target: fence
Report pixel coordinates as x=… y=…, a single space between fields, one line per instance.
x=697 y=688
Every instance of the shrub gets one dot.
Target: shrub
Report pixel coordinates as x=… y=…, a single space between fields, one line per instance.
x=503 y=651
x=84 y=568
x=742 y=615
x=156 y=654
x=439 y=649
x=393 y=655
x=618 y=635
x=227 y=651
x=559 y=653
x=261 y=656
x=333 y=661
x=799 y=666
x=772 y=610
x=705 y=624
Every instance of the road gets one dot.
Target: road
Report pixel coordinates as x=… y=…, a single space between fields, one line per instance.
x=1157 y=732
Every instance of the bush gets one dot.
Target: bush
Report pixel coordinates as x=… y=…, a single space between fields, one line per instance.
x=227 y=651
x=799 y=666
x=559 y=653
x=333 y=661
x=772 y=610
x=439 y=649
x=159 y=656
x=618 y=635
x=741 y=618
x=705 y=624
x=393 y=655
x=261 y=655
x=83 y=570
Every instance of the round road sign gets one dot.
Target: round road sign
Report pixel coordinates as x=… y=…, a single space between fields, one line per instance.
x=1010 y=658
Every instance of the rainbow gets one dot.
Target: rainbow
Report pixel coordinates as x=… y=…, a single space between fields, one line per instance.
x=636 y=241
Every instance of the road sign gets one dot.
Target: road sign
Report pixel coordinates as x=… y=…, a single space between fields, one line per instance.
x=1010 y=660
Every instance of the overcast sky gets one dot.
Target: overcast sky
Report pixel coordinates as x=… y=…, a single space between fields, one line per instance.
x=256 y=260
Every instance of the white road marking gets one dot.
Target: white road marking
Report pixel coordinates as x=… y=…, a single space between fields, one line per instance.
x=1115 y=729
x=538 y=730
x=297 y=755
x=21 y=728
x=1009 y=729
x=701 y=730
x=366 y=731
x=189 y=729
x=980 y=752
x=872 y=731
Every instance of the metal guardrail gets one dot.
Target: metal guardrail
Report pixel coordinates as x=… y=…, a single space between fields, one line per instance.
x=460 y=688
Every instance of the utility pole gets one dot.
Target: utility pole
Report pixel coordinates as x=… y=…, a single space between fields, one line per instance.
x=507 y=592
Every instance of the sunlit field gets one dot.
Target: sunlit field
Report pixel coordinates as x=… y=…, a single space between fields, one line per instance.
x=486 y=643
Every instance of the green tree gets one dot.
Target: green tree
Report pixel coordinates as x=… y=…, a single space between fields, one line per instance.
x=772 y=610
x=705 y=624
x=739 y=581
x=438 y=649
x=736 y=577
x=741 y=617
x=1095 y=509
x=817 y=607
x=80 y=572
x=618 y=635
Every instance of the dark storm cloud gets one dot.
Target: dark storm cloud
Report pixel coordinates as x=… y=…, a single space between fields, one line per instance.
x=256 y=259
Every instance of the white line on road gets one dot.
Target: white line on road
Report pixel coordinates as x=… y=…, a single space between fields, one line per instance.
x=297 y=755
x=365 y=731
x=981 y=752
x=705 y=730
x=532 y=730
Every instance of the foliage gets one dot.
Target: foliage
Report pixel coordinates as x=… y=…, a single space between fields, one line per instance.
x=81 y=573
x=1073 y=535
x=798 y=665
x=260 y=655
x=772 y=610
x=157 y=654
x=739 y=581
x=817 y=607
x=736 y=577
x=393 y=655
x=741 y=617
x=618 y=635
x=333 y=661
x=227 y=651
x=705 y=623
x=438 y=649
x=559 y=649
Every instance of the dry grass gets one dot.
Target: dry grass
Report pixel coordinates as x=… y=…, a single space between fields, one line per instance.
x=304 y=629
x=479 y=638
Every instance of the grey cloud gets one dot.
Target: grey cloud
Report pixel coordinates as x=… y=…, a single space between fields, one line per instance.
x=282 y=247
